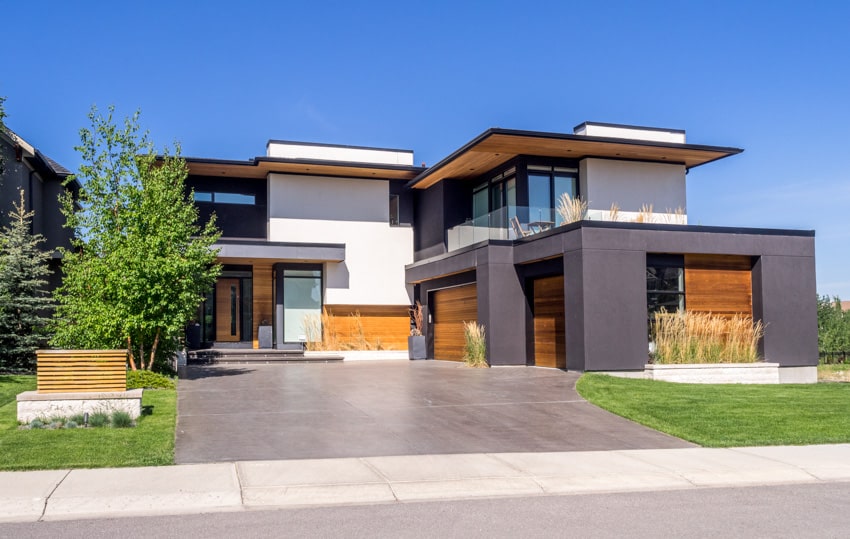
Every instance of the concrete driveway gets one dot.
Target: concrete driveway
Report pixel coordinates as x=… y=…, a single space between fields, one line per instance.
x=379 y=408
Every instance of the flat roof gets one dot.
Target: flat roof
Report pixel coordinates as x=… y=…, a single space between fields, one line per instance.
x=496 y=146
x=261 y=167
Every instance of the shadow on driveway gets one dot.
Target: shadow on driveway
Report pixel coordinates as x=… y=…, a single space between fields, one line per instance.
x=379 y=408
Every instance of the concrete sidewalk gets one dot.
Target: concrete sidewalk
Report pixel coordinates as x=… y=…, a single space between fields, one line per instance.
x=202 y=488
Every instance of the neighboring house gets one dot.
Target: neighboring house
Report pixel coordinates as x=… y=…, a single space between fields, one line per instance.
x=477 y=237
x=41 y=180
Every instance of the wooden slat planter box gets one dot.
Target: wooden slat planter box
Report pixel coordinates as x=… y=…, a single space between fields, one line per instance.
x=81 y=371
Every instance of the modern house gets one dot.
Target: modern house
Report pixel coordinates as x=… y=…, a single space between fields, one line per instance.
x=42 y=181
x=477 y=237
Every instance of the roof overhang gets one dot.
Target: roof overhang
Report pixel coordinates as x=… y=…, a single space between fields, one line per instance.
x=243 y=250
x=497 y=146
x=261 y=167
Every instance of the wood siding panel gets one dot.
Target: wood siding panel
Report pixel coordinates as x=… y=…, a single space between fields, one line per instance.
x=263 y=293
x=388 y=325
x=450 y=309
x=549 y=323
x=81 y=371
x=719 y=284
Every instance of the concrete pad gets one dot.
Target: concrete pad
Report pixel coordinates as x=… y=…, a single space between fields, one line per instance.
x=305 y=472
x=440 y=467
x=23 y=494
x=318 y=495
x=826 y=462
x=466 y=488
x=721 y=467
x=153 y=490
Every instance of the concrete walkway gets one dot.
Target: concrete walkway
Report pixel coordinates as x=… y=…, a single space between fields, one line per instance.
x=239 y=486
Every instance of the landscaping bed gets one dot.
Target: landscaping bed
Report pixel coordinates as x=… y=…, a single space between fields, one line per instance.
x=728 y=415
x=149 y=443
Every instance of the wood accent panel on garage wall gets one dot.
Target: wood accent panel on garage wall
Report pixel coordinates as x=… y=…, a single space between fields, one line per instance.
x=387 y=325
x=720 y=284
x=550 y=348
x=450 y=308
x=263 y=289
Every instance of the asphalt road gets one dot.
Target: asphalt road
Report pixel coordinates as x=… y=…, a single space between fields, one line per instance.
x=776 y=511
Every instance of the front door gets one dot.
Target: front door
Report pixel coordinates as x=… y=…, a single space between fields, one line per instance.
x=227 y=310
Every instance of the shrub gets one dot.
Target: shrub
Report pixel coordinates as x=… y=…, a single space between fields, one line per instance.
x=148 y=380
x=475 y=350
x=36 y=424
x=121 y=420
x=98 y=419
x=693 y=337
x=70 y=424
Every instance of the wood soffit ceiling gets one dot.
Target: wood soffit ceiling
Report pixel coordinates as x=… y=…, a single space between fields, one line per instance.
x=261 y=168
x=493 y=149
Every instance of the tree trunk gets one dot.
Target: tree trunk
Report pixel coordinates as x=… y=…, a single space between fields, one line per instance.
x=153 y=348
x=142 y=351
x=130 y=353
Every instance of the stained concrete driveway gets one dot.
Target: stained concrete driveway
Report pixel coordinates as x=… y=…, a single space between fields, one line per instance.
x=380 y=408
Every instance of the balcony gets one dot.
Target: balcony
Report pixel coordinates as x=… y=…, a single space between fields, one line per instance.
x=508 y=223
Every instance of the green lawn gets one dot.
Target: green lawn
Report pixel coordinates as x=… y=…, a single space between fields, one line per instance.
x=150 y=443
x=728 y=415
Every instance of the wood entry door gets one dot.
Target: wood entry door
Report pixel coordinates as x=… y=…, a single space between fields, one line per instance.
x=227 y=315
x=550 y=348
x=450 y=308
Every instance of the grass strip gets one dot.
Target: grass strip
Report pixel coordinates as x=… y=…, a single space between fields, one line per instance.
x=728 y=415
x=150 y=443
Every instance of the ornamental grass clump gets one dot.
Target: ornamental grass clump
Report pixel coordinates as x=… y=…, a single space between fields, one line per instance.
x=475 y=349
x=571 y=209
x=693 y=337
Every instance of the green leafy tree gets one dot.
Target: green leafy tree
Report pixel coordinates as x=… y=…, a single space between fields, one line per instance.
x=833 y=325
x=140 y=264
x=24 y=302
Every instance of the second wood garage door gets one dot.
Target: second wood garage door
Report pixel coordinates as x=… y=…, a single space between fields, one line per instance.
x=549 y=325
x=450 y=308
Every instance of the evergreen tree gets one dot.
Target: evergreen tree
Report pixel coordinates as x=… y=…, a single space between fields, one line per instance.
x=23 y=299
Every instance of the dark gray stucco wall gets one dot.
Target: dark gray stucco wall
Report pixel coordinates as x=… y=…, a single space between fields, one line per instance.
x=424 y=298
x=502 y=307
x=614 y=294
x=574 y=309
x=429 y=230
x=785 y=300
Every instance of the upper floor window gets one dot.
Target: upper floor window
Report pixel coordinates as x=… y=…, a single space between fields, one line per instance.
x=219 y=197
x=394 y=211
x=546 y=185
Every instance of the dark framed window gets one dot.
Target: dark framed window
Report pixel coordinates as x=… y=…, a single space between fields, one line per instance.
x=546 y=185
x=219 y=197
x=394 y=211
x=665 y=284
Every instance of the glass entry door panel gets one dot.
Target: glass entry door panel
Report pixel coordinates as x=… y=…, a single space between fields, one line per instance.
x=302 y=305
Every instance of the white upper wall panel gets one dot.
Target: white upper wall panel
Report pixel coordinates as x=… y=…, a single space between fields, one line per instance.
x=347 y=154
x=631 y=132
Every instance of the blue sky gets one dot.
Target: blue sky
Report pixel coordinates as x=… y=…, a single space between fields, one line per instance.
x=224 y=77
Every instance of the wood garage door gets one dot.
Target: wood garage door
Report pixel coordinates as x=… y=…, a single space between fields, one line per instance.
x=549 y=340
x=450 y=308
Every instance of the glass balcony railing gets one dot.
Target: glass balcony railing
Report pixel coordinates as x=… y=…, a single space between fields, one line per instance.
x=508 y=223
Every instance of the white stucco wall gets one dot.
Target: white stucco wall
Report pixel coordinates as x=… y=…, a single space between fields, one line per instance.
x=631 y=184
x=292 y=150
x=312 y=209
x=631 y=132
